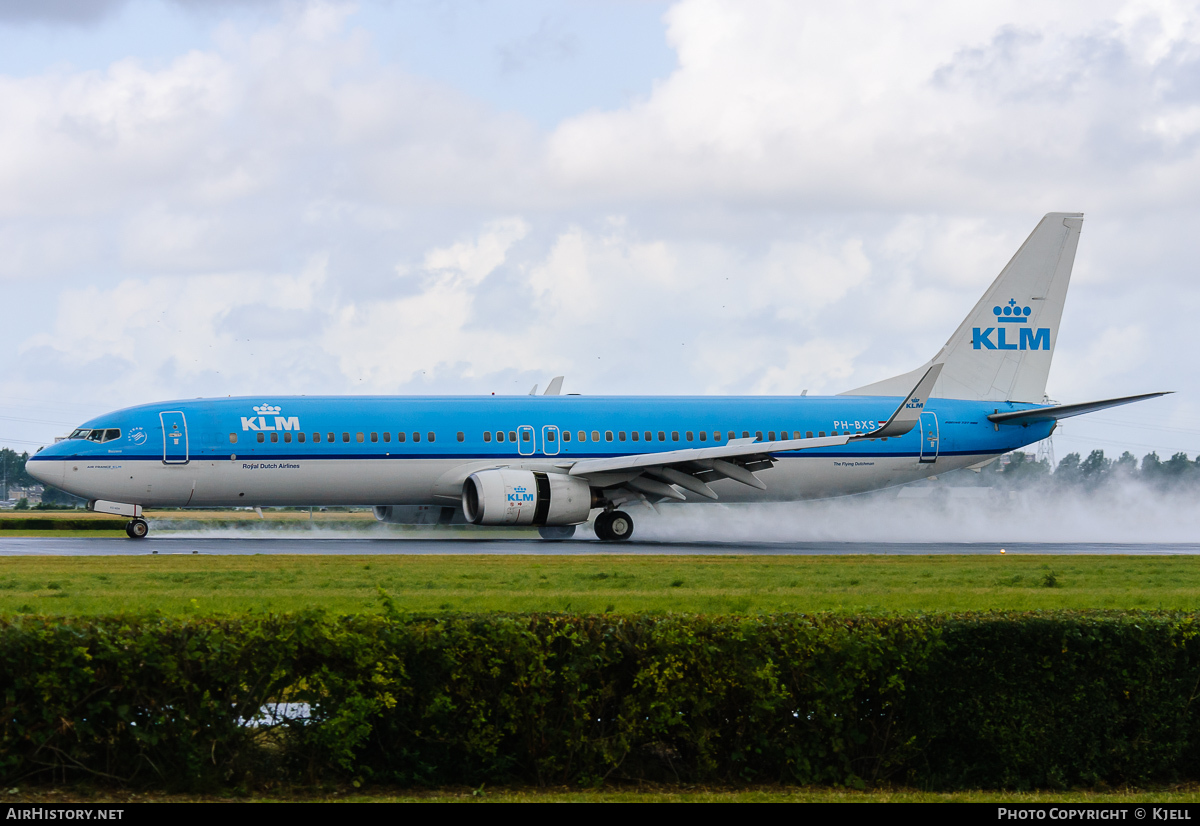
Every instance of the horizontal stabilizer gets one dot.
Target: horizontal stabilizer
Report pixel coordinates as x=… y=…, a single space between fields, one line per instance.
x=1066 y=411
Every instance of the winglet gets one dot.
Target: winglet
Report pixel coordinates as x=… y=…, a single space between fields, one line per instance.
x=909 y=412
x=555 y=386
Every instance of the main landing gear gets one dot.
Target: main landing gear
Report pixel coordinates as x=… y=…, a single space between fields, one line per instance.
x=137 y=528
x=614 y=526
x=556 y=531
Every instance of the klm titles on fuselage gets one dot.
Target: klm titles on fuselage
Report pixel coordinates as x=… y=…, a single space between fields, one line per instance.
x=260 y=422
x=1029 y=339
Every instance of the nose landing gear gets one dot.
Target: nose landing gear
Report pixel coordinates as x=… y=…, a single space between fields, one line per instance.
x=614 y=526
x=137 y=529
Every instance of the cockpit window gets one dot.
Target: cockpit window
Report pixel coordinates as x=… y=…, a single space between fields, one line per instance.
x=109 y=435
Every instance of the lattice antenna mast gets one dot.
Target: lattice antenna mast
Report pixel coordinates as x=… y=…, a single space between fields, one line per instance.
x=1045 y=448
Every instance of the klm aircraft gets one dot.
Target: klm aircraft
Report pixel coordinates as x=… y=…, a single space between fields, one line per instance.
x=555 y=461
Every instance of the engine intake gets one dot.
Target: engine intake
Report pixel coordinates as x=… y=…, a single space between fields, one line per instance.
x=506 y=496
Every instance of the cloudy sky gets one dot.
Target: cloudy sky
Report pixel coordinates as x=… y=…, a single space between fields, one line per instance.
x=701 y=197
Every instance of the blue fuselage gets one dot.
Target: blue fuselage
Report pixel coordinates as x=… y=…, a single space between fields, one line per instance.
x=376 y=450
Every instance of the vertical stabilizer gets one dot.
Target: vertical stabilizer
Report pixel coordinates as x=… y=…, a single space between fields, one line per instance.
x=1002 y=350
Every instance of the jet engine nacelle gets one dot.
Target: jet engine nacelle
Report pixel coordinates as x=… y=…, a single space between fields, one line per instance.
x=505 y=496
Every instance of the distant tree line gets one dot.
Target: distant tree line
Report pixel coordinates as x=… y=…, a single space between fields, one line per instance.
x=1097 y=471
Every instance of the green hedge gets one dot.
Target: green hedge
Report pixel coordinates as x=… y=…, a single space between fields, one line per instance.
x=1039 y=700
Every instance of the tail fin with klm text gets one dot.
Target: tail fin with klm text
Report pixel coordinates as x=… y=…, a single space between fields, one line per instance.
x=1002 y=349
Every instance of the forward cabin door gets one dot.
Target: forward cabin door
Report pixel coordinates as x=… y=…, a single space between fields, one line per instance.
x=175 y=437
x=929 y=437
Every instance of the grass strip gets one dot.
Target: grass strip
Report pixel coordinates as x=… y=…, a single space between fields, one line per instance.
x=179 y=585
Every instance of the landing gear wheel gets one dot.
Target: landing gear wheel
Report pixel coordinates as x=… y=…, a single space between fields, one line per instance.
x=556 y=531
x=137 y=529
x=614 y=526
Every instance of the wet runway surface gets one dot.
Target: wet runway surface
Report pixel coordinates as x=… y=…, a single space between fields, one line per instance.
x=87 y=546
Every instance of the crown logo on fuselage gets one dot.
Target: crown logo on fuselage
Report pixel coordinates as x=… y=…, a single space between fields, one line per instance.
x=1011 y=313
x=266 y=409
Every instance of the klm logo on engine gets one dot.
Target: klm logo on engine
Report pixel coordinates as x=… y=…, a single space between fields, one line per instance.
x=519 y=494
x=1027 y=337
x=278 y=422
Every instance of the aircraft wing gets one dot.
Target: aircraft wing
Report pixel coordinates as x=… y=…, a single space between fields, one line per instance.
x=691 y=468
x=1065 y=411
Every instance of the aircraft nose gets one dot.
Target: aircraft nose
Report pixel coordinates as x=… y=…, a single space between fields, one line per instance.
x=46 y=471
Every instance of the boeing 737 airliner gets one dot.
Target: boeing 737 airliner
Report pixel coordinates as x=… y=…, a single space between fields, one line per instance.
x=553 y=461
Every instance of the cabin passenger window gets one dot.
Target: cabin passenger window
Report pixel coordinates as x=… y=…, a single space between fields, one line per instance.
x=662 y=436
x=274 y=437
x=566 y=435
x=261 y=438
x=487 y=435
x=716 y=435
x=595 y=435
x=387 y=437
x=499 y=435
x=771 y=435
x=287 y=437
x=621 y=436
x=512 y=435
x=703 y=436
x=648 y=436
x=833 y=433
x=345 y=437
x=400 y=436
x=525 y=435
x=233 y=438
x=430 y=436
x=808 y=434
x=822 y=434
x=608 y=435
x=461 y=437
x=582 y=436
x=374 y=437
x=329 y=437
x=745 y=434
x=316 y=437
x=634 y=435
x=358 y=437
x=416 y=436
x=549 y=435
x=731 y=434
x=758 y=435
x=674 y=435
x=689 y=435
